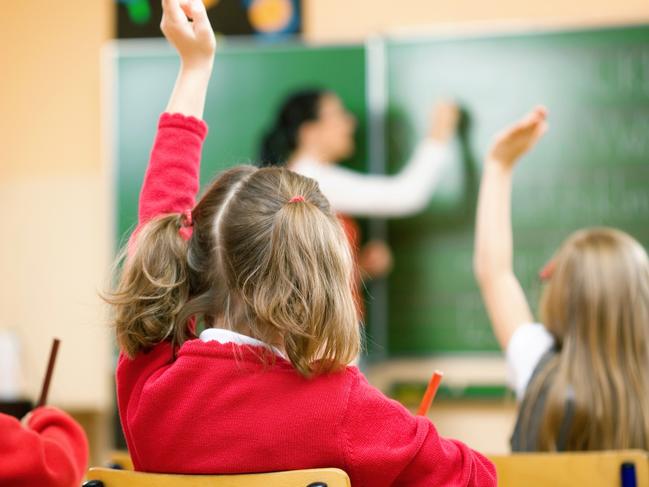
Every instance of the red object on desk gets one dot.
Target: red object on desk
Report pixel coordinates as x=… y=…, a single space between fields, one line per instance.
x=429 y=395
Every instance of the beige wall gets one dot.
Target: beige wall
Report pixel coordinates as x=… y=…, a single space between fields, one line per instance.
x=355 y=19
x=54 y=235
x=52 y=202
x=49 y=88
x=54 y=254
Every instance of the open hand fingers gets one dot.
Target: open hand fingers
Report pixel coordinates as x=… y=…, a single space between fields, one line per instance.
x=201 y=22
x=173 y=12
x=531 y=121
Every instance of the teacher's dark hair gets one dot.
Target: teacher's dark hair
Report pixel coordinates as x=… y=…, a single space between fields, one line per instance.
x=281 y=140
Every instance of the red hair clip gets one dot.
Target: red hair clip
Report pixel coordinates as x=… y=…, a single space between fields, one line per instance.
x=546 y=273
x=297 y=199
x=186 y=225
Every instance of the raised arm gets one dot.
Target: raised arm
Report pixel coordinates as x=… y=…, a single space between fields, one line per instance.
x=171 y=181
x=493 y=260
x=195 y=43
x=402 y=194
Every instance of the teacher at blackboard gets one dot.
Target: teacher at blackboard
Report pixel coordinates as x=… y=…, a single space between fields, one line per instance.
x=313 y=132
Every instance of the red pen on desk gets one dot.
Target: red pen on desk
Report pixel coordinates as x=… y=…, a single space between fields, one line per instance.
x=429 y=395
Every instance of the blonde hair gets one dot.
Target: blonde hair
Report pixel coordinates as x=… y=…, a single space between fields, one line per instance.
x=596 y=305
x=277 y=270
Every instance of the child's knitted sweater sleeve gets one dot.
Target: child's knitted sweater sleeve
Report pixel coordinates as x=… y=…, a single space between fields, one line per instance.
x=50 y=451
x=171 y=181
x=385 y=444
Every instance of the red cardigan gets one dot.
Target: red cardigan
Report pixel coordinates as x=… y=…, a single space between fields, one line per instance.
x=218 y=408
x=50 y=451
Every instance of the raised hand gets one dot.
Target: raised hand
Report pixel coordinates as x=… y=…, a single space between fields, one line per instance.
x=501 y=291
x=514 y=141
x=444 y=120
x=195 y=43
x=193 y=39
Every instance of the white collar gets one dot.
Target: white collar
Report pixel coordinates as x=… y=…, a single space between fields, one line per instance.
x=223 y=336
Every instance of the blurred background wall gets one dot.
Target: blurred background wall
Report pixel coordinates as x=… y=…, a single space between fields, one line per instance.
x=341 y=19
x=55 y=240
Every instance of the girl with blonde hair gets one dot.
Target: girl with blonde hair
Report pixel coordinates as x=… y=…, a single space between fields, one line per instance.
x=262 y=262
x=583 y=374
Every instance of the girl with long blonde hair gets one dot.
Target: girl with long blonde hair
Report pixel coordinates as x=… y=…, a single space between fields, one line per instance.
x=583 y=374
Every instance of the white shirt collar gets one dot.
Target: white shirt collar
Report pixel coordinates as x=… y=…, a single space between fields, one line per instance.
x=223 y=336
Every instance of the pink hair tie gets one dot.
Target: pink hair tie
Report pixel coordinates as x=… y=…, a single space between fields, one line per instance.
x=186 y=225
x=297 y=199
x=546 y=273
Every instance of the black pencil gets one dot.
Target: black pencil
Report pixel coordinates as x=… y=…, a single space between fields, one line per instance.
x=48 y=374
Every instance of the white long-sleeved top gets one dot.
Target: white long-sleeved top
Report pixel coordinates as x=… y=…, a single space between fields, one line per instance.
x=374 y=195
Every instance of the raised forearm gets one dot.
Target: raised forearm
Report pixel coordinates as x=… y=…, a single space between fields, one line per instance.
x=493 y=241
x=190 y=90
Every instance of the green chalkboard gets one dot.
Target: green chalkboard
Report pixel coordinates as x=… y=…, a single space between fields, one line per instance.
x=249 y=82
x=592 y=168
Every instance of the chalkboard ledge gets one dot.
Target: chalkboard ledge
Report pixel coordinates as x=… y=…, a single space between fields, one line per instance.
x=466 y=377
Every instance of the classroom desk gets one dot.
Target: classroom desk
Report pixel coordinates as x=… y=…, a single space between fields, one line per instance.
x=484 y=424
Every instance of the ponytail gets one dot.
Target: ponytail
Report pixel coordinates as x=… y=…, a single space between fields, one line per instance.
x=153 y=288
x=167 y=280
x=311 y=299
x=282 y=139
x=288 y=259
